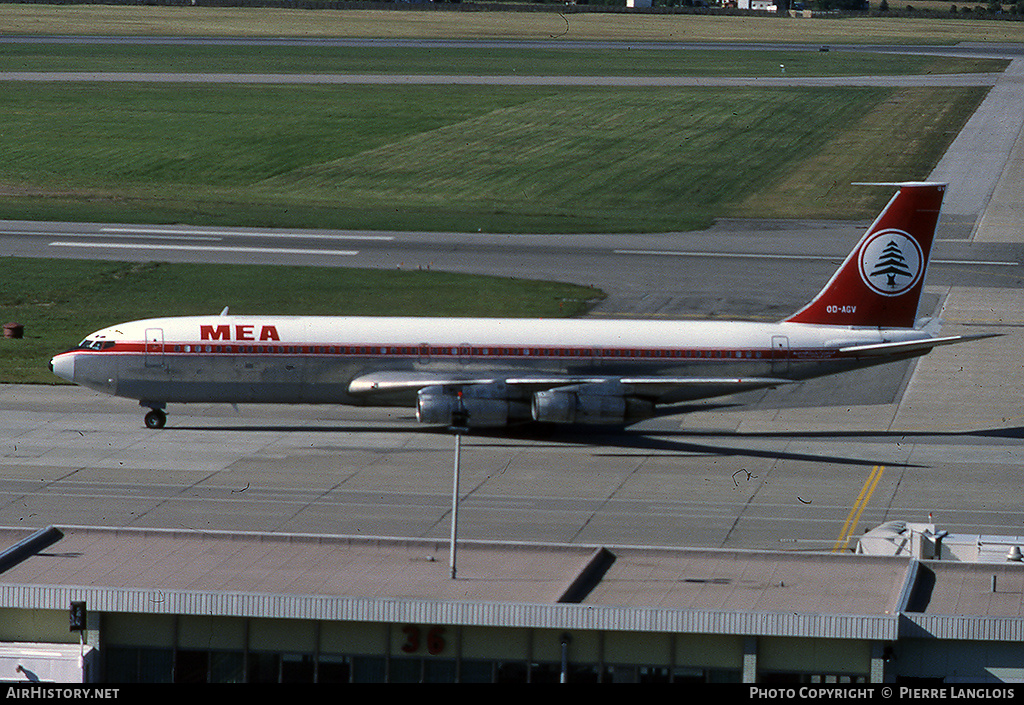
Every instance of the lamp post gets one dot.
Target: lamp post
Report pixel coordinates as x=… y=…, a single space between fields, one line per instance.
x=460 y=420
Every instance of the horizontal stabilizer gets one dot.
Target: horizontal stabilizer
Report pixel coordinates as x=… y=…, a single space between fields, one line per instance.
x=909 y=346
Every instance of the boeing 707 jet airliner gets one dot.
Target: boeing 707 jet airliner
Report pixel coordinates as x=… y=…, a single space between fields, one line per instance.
x=488 y=372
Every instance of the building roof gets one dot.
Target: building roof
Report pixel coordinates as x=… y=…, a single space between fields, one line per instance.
x=556 y=586
x=969 y=589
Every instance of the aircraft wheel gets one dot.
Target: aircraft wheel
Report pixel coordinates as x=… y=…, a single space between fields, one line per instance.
x=156 y=419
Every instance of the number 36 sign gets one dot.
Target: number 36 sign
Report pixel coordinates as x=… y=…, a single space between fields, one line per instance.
x=434 y=642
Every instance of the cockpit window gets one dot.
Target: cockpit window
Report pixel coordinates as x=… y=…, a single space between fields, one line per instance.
x=95 y=344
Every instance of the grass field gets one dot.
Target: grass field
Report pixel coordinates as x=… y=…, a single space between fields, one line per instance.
x=418 y=24
x=467 y=158
x=61 y=301
x=473 y=61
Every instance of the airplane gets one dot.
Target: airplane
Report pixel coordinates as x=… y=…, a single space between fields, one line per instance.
x=493 y=372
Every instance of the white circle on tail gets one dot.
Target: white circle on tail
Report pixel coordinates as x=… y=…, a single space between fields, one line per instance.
x=891 y=262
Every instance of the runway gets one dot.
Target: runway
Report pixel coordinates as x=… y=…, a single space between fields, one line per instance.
x=754 y=269
x=956 y=80
x=803 y=469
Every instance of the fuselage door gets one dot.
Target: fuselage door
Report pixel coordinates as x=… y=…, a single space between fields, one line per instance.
x=780 y=354
x=154 y=347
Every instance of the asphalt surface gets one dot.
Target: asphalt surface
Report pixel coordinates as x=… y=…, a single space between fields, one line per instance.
x=791 y=470
x=80 y=458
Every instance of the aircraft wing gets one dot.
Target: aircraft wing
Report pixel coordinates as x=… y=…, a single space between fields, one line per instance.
x=671 y=390
x=910 y=346
x=399 y=382
x=396 y=382
x=651 y=387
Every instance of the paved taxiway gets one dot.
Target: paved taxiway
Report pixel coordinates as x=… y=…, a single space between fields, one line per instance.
x=85 y=459
x=943 y=437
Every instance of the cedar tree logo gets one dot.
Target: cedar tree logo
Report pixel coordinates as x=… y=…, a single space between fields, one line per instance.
x=891 y=262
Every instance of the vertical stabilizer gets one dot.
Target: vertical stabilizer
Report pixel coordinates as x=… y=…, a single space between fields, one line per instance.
x=880 y=282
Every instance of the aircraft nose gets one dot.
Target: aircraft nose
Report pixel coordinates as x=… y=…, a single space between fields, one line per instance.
x=63 y=366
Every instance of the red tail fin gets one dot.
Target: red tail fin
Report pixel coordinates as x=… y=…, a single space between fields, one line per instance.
x=880 y=282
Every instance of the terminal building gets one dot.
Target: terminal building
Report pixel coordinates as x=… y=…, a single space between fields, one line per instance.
x=86 y=604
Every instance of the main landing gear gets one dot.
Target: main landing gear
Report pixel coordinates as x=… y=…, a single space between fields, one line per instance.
x=157 y=417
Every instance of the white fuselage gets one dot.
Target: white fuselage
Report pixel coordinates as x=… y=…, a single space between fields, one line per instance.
x=301 y=359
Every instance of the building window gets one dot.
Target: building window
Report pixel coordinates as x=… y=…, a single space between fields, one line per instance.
x=138 y=665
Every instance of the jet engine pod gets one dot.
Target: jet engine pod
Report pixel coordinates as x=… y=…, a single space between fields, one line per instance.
x=554 y=407
x=561 y=406
x=437 y=405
